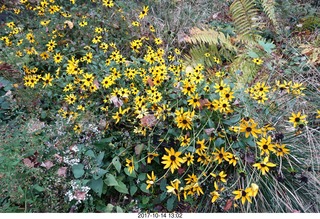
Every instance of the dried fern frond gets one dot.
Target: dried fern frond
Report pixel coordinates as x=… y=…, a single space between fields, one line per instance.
x=269 y=9
x=245 y=16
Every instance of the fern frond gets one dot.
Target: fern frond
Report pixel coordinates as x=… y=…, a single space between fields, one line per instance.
x=269 y=9
x=244 y=14
x=211 y=37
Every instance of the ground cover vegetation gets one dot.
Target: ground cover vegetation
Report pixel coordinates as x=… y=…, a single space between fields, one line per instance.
x=159 y=106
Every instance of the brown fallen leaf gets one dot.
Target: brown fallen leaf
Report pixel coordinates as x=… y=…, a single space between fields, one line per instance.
x=228 y=204
x=48 y=164
x=62 y=171
x=148 y=121
x=28 y=162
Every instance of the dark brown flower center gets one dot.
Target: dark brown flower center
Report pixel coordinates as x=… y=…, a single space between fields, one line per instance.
x=265 y=147
x=248 y=129
x=172 y=158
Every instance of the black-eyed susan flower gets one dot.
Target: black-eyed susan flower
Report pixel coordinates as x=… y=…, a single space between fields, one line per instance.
x=232 y=159
x=249 y=129
x=297 y=119
x=220 y=155
x=174 y=188
x=194 y=101
x=184 y=119
x=130 y=164
x=144 y=12
x=221 y=87
x=118 y=115
x=184 y=140
x=151 y=180
x=151 y=156
x=203 y=159
x=257 y=61
x=71 y=98
x=266 y=146
x=188 y=158
x=243 y=194
x=172 y=160
x=264 y=165
x=281 y=150
x=215 y=194
x=220 y=177
x=200 y=146
x=47 y=79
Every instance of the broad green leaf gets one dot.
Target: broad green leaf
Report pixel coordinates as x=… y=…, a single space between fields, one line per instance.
x=142 y=176
x=90 y=153
x=163 y=184
x=253 y=54
x=218 y=142
x=99 y=173
x=119 y=209
x=133 y=174
x=121 y=188
x=267 y=46
x=145 y=200
x=96 y=185
x=111 y=180
x=100 y=158
x=38 y=188
x=143 y=188
x=170 y=203
x=163 y=196
x=116 y=163
x=133 y=189
x=109 y=208
x=78 y=170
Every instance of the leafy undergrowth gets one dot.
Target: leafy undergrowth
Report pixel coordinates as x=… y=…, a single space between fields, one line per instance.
x=101 y=113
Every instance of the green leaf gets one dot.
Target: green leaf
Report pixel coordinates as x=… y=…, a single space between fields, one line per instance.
x=218 y=142
x=116 y=163
x=249 y=141
x=170 y=203
x=109 y=208
x=96 y=185
x=119 y=209
x=163 y=196
x=163 y=184
x=38 y=188
x=121 y=188
x=142 y=176
x=90 y=153
x=133 y=189
x=111 y=180
x=133 y=174
x=145 y=200
x=78 y=170
x=143 y=187
x=253 y=54
x=100 y=158
x=267 y=46
x=99 y=173
x=232 y=120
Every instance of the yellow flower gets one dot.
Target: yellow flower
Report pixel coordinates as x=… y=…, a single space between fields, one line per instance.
x=257 y=61
x=244 y=195
x=249 y=128
x=174 y=188
x=151 y=156
x=220 y=155
x=47 y=79
x=151 y=180
x=281 y=150
x=264 y=165
x=266 y=146
x=189 y=158
x=130 y=165
x=220 y=177
x=144 y=12
x=172 y=160
x=297 y=119
x=255 y=189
